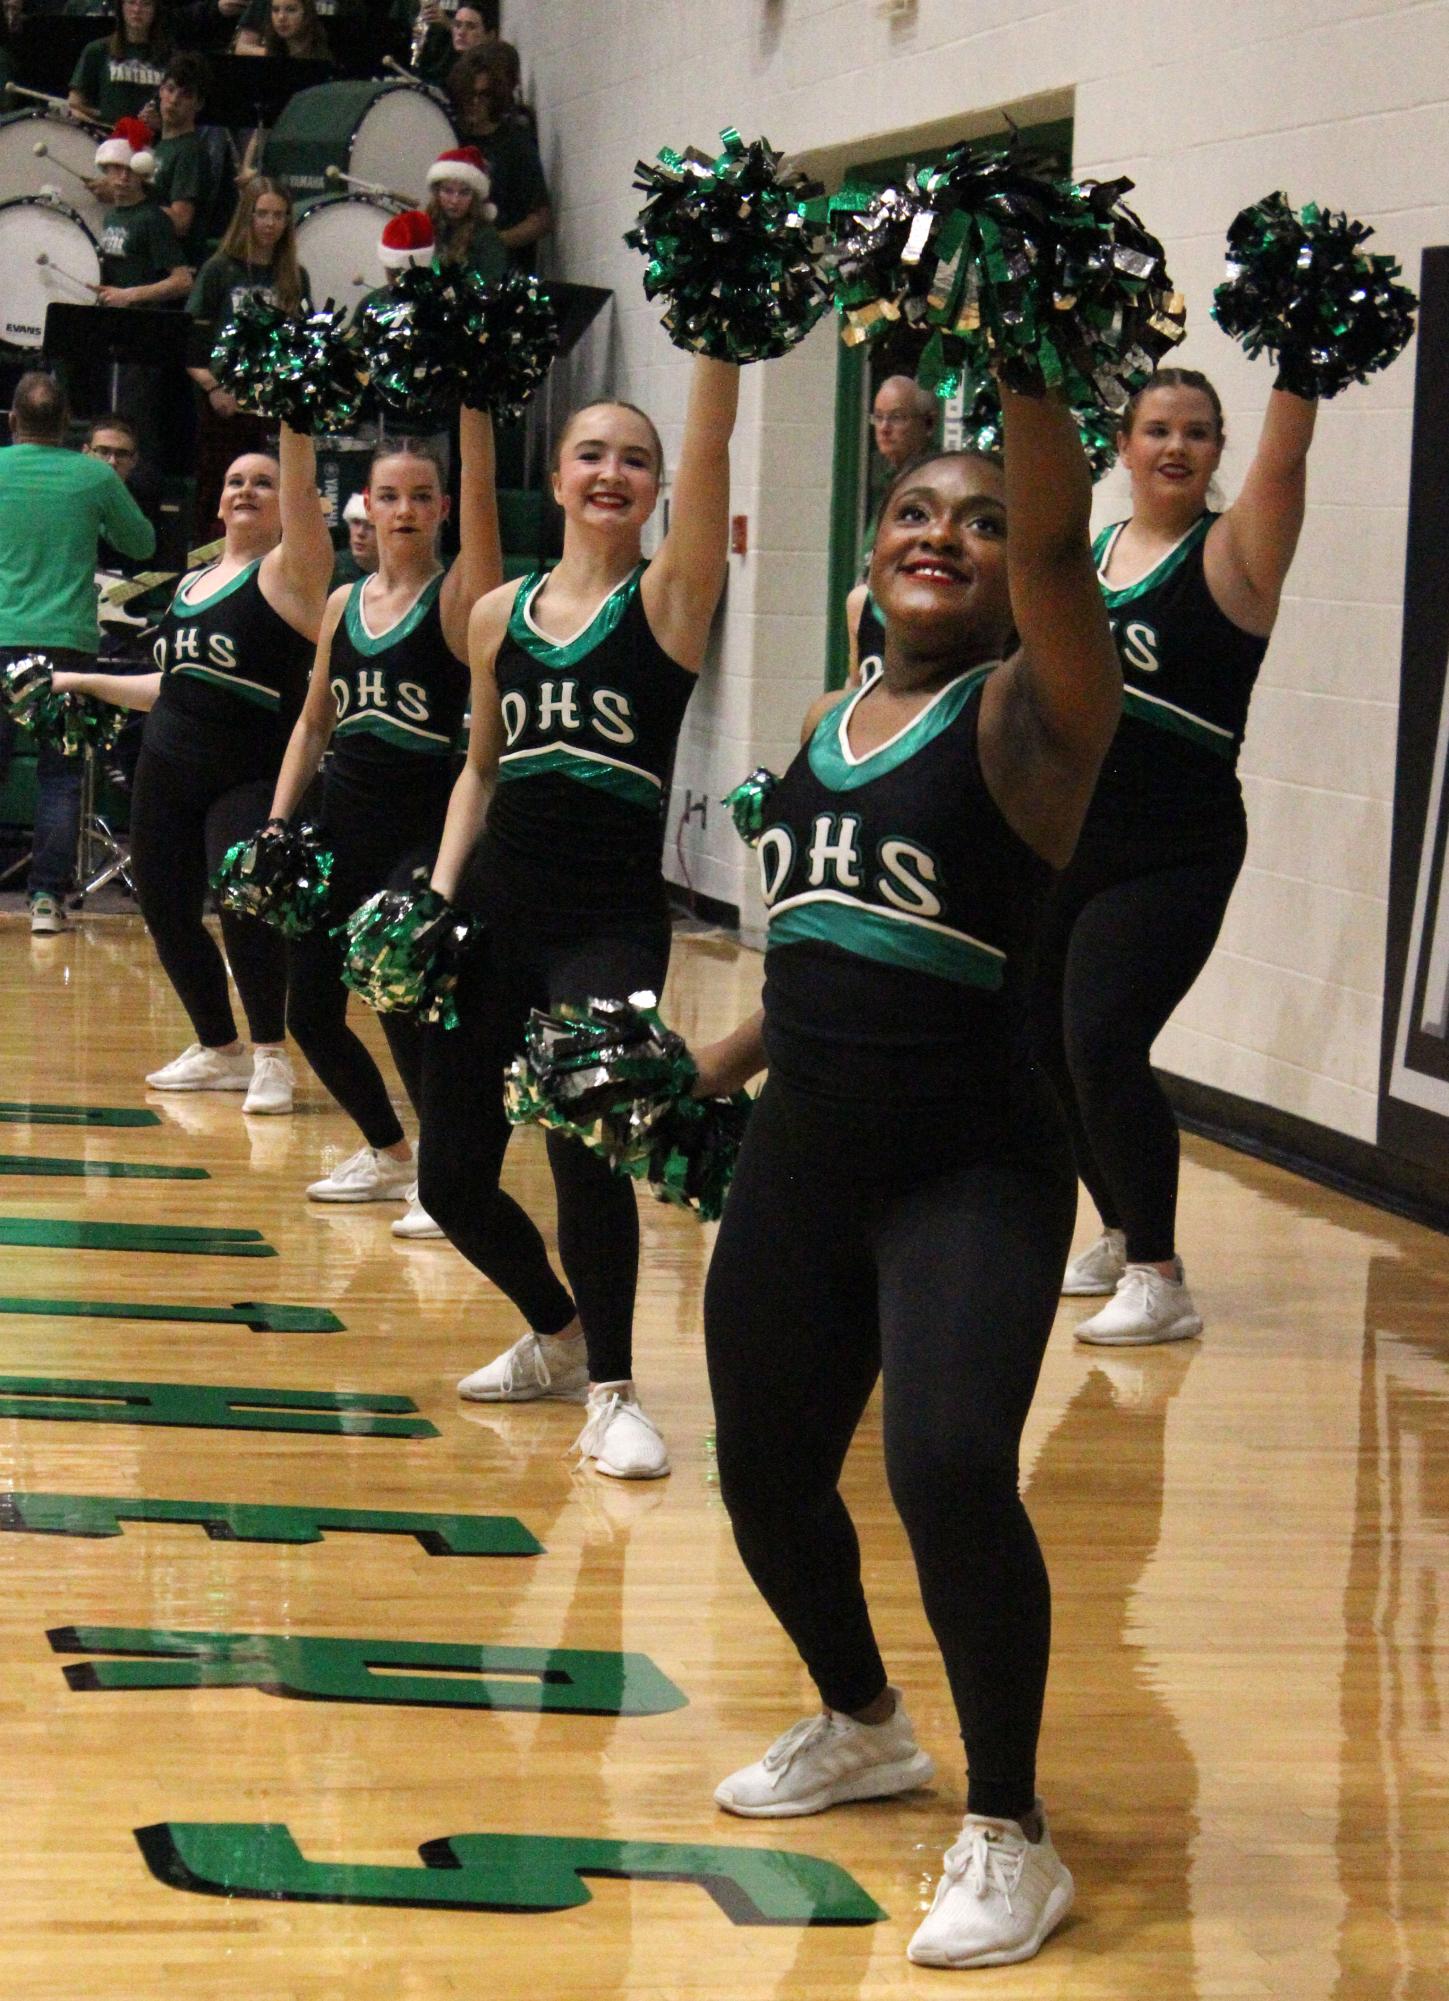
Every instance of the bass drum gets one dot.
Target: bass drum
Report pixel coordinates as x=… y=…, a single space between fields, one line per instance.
x=387 y=133
x=337 y=239
x=40 y=149
x=49 y=257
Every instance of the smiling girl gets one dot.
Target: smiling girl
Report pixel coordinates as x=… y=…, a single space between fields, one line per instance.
x=904 y=1196
x=1192 y=595
x=581 y=676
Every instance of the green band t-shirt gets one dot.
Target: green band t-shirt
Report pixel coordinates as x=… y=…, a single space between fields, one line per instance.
x=138 y=246
x=55 y=506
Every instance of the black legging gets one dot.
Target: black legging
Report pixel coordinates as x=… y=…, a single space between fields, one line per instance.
x=367 y=857
x=944 y=1285
x=184 y=817
x=1122 y=941
x=465 y=1134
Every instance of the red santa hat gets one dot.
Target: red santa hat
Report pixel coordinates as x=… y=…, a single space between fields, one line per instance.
x=128 y=146
x=466 y=165
x=407 y=241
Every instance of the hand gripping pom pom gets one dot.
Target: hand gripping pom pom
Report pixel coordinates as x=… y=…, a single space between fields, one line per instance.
x=73 y=724
x=505 y=340
x=1049 y=283
x=405 y=950
x=748 y=803
x=735 y=246
x=24 y=682
x=613 y=1076
x=280 y=876
x=296 y=368
x=1300 y=287
x=406 y=338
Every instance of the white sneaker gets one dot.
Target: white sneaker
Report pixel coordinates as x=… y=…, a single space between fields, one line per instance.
x=368 y=1175
x=1145 y=1308
x=825 y=1760
x=537 y=1365
x=272 y=1082
x=618 y=1436
x=417 y=1222
x=198 y=1069
x=998 y=1898
x=1098 y=1268
x=47 y=915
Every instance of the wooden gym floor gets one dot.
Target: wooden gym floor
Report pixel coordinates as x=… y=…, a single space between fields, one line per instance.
x=1244 y=1752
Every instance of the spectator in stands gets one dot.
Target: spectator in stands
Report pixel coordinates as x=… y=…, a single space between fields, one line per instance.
x=55 y=505
x=251 y=36
x=449 y=37
x=120 y=75
x=126 y=629
x=292 y=29
x=359 y=558
x=482 y=87
x=184 y=184
x=462 y=215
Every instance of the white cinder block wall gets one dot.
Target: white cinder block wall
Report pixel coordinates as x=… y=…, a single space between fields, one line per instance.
x=1207 y=104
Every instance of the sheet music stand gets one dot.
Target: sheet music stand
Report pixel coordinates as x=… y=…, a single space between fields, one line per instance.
x=121 y=336
x=251 y=90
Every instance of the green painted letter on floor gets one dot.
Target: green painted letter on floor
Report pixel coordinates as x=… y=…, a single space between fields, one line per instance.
x=554 y=1681
x=210 y=1406
x=243 y=1521
x=504 y=1872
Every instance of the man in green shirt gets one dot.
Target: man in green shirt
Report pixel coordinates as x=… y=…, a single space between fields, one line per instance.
x=55 y=506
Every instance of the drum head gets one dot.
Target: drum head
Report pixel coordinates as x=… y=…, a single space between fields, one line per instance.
x=70 y=152
x=49 y=257
x=401 y=134
x=337 y=241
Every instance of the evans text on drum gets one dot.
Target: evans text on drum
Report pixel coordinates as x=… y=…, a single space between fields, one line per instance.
x=49 y=257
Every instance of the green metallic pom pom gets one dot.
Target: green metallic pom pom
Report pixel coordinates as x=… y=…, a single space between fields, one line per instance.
x=505 y=341
x=1300 y=288
x=404 y=952
x=280 y=876
x=1004 y=267
x=611 y=1075
x=748 y=803
x=981 y=428
x=405 y=339
x=25 y=682
x=295 y=368
x=736 y=248
x=73 y=724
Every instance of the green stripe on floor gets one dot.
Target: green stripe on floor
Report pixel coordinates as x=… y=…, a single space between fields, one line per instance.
x=49 y=1233
x=119 y=1170
x=210 y=1406
x=21 y=1113
x=261 y=1316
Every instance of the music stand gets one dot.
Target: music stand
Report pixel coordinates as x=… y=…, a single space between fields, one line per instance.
x=121 y=336
x=47 y=48
x=251 y=90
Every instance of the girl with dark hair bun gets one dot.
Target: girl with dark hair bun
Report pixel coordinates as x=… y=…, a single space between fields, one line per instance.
x=1192 y=595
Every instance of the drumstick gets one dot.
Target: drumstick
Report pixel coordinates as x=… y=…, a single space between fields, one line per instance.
x=335 y=174
x=58 y=104
x=43 y=257
x=43 y=152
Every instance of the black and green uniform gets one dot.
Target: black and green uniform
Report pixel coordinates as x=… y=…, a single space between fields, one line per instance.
x=1133 y=918
x=223 y=282
x=233 y=676
x=901 y=1211
x=568 y=879
x=138 y=246
x=117 y=86
x=183 y=173
x=399 y=698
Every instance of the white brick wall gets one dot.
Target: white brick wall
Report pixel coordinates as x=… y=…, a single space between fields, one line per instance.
x=1207 y=107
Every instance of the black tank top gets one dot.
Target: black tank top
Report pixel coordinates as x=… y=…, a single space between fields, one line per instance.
x=901 y=908
x=400 y=699
x=590 y=726
x=233 y=676
x=1188 y=675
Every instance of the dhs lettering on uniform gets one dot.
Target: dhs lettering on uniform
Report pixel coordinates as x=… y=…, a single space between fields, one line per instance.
x=1137 y=644
x=557 y=708
x=186 y=648
x=901 y=872
x=369 y=695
